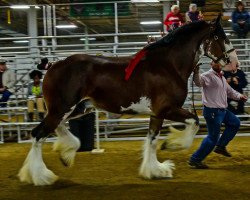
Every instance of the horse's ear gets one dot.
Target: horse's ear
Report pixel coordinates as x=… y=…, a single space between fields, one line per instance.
x=218 y=18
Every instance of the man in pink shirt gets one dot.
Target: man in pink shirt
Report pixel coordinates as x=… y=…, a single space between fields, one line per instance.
x=214 y=97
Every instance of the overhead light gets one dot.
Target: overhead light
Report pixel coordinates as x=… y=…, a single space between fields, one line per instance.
x=66 y=26
x=22 y=7
x=21 y=41
x=144 y=1
x=230 y=20
x=83 y=39
x=227 y=34
x=150 y=22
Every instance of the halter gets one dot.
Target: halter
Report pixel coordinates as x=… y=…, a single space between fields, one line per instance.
x=223 y=57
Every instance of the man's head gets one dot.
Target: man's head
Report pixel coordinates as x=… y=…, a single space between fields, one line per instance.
x=175 y=9
x=3 y=66
x=216 y=66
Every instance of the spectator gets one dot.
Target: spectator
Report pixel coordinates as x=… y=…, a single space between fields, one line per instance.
x=7 y=81
x=173 y=19
x=237 y=80
x=44 y=65
x=35 y=96
x=193 y=14
x=240 y=20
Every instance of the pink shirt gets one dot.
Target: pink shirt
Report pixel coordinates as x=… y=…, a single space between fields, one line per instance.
x=215 y=89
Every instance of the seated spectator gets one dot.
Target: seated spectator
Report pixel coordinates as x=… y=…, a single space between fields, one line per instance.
x=35 y=96
x=7 y=81
x=237 y=80
x=173 y=19
x=240 y=20
x=193 y=14
x=44 y=65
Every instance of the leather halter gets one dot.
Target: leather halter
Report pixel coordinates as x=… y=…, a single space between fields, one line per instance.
x=224 y=56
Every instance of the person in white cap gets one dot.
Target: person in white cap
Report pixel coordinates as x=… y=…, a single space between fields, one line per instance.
x=7 y=81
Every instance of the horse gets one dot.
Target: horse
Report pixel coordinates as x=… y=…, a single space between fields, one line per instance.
x=156 y=85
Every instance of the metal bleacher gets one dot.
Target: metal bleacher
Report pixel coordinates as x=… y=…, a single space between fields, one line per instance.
x=14 y=116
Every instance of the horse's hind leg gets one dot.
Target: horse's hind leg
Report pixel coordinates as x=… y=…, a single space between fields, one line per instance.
x=151 y=167
x=66 y=144
x=179 y=140
x=34 y=169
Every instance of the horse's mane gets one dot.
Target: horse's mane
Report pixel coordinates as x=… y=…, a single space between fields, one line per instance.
x=176 y=34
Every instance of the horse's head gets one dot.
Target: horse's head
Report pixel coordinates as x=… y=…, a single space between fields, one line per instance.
x=217 y=45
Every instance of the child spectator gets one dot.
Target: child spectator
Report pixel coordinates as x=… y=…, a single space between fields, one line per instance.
x=35 y=96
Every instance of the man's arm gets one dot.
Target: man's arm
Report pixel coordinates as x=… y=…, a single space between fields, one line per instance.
x=233 y=94
x=199 y=80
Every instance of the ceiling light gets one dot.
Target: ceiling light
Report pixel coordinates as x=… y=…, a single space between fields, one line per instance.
x=83 y=39
x=66 y=26
x=22 y=7
x=144 y=1
x=150 y=22
x=21 y=41
x=230 y=20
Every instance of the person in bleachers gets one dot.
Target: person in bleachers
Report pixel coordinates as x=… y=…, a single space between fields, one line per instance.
x=193 y=14
x=241 y=20
x=35 y=96
x=173 y=19
x=237 y=80
x=7 y=82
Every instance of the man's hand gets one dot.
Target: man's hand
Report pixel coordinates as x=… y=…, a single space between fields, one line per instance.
x=235 y=80
x=2 y=89
x=243 y=98
x=228 y=80
x=197 y=68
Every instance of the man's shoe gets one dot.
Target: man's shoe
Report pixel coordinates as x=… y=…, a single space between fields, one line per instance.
x=197 y=165
x=223 y=151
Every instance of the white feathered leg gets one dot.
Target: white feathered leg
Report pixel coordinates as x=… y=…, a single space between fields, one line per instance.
x=178 y=140
x=34 y=170
x=66 y=144
x=151 y=167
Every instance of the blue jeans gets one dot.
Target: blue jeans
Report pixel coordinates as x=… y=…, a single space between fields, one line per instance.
x=5 y=97
x=241 y=31
x=214 y=118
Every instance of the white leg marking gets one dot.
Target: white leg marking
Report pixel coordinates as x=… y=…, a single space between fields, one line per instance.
x=179 y=140
x=151 y=167
x=66 y=144
x=34 y=170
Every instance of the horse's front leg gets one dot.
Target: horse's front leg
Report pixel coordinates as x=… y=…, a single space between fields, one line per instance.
x=178 y=140
x=151 y=167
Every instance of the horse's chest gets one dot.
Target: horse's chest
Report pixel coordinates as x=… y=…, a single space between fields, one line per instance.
x=143 y=105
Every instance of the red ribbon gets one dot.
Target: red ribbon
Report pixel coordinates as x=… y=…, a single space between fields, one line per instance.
x=133 y=62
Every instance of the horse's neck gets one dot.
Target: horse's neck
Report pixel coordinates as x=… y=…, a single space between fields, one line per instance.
x=192 y=46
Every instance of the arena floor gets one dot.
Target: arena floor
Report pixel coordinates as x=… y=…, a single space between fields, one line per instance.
x=114 y=175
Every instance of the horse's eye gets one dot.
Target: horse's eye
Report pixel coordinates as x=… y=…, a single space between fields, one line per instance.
x=216 y=37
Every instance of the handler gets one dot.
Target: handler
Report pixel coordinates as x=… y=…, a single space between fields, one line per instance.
x=214 y=97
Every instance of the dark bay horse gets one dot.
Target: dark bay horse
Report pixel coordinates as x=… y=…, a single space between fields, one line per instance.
x=157 y=86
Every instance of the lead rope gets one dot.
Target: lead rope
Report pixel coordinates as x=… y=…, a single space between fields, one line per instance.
x=194 y=109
